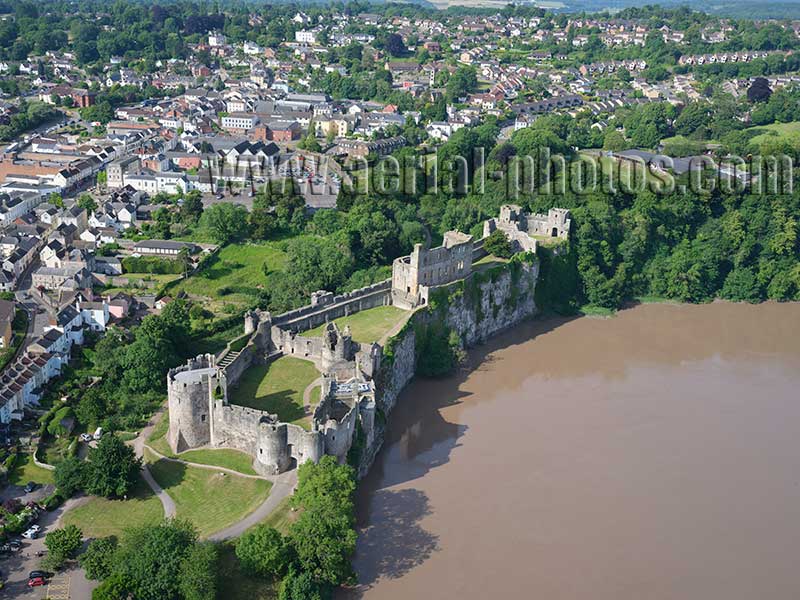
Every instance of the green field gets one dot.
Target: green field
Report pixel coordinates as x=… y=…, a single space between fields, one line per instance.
x=234 y=276
x=24 y=471
x=277 y=388
x=366 y=326
x=212 y=500
x=776 y=131
x=221 y=457
x=100 y=517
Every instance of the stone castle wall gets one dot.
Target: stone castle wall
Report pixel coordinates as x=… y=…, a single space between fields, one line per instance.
x=332 y=307
x=474 y=305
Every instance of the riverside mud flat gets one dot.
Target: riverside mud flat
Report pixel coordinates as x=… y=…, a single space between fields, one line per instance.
x=655 y=454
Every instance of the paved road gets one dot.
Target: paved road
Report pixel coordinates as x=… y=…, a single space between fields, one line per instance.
x=284 y=486
x=138 y=444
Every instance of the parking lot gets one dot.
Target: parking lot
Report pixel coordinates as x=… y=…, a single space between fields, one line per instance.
x=15 y=567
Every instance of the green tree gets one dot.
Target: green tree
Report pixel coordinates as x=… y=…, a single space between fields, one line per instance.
x=151 y=559
x=302 y=586
x=498 y=245
x=227 y=222
x=112 y=468
x=100 y=557
x=86 y=202
x=70 y=475
x=263 y=551
x=56 y=200
x=199 y=571
x=192 y=207
x=323 y=536
x=62 y=544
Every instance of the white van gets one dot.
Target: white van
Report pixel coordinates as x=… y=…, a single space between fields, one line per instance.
x=98 y=433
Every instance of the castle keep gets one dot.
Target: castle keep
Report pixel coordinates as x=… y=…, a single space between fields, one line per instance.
x=200 y=413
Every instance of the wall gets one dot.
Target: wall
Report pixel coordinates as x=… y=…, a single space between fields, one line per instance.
x=308 y=317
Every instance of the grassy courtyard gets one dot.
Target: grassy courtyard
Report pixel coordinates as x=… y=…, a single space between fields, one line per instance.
x=25 y=470
x=100 y=517
x=212 y=500
x=366 y=326
x=216 y=457
x=234 y=276
x=277 y=388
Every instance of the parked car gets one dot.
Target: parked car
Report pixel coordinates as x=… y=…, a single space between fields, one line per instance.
x=35 y=528
x=98 y=433
x=35 y=574
x=86 y=437
x=36 y=581
x=30 y=534
x=30 y=487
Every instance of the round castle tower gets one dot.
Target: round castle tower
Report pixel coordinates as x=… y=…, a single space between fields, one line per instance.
x=191 y=391
x=272 y=454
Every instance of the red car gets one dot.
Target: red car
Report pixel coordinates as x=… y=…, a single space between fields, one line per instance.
x=36 y=581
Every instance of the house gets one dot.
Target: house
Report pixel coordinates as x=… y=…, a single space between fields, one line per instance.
x=167 y=248
x=7 y=311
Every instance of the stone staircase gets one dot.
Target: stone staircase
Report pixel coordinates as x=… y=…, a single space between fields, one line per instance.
x=228 y=359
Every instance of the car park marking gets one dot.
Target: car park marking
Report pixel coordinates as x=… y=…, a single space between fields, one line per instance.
x=58 y=588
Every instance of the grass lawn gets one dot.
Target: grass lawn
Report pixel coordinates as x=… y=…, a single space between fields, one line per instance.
x=366 y=326
x=776 y=130
x=213 y=344
x=25 y=471
x=212 y=500
x=282 y=517
x=235 y=275
x=277 y=388
x=217 y=457
x=100 y=517
x=221 y=457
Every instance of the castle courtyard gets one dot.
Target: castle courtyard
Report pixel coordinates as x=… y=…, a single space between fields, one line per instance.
x=366 y=326
x=277 y=388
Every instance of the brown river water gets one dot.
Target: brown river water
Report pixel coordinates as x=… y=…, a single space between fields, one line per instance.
x=654 y=455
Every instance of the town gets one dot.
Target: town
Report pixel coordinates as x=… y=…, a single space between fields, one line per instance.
x=231 y=236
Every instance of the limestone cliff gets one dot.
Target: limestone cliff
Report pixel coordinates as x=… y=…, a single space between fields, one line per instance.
x=469 y=312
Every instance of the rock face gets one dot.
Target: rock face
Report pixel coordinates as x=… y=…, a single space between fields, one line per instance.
x=477 y=308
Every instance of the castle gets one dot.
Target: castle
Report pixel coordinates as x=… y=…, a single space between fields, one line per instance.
x=521 y=227
x=200 y=413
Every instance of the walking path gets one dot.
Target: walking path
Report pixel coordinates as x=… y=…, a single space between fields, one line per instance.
x=206 y=466
x=307 y=407
x=283 y=487
x=138 y=444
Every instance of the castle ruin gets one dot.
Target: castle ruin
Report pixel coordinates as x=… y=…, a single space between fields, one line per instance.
x=520 y=227
x=200 y=413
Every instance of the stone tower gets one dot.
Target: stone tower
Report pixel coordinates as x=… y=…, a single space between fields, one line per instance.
x=272 y=454
x=191 y=390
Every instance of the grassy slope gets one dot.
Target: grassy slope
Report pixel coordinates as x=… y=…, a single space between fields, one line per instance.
x=212 y=500
x=235 y=275
x=101 y=517
x=277 y=388
x=368 y=325
x=783 y=130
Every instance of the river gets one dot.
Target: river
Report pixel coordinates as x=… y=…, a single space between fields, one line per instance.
x=655 y=454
